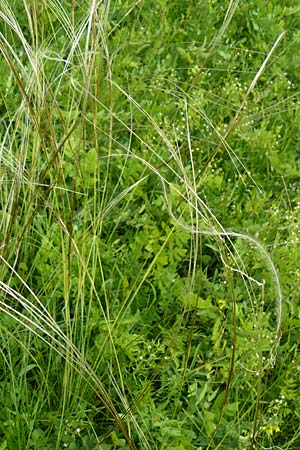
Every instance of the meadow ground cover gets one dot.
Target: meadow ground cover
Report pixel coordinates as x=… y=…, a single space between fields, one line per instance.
x=149 y=218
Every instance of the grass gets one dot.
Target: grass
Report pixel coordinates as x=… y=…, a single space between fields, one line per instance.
x=149 y=225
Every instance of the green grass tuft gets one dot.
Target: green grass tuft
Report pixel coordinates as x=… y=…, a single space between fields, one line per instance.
x=149 y=223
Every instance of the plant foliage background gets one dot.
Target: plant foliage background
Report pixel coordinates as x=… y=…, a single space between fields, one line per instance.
x=149 y=219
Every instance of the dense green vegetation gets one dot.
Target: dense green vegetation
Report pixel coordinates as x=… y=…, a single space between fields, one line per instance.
x=149 y=217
